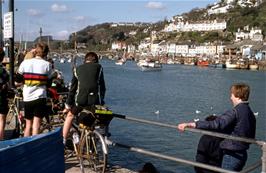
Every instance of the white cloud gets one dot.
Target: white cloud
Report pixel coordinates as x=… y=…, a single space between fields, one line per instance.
x=62 y=35
x=79 y=18
x=34 y=12
x=155 y=5
x=59 y=8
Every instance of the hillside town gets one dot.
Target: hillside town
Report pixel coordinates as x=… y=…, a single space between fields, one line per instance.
x=249 y=43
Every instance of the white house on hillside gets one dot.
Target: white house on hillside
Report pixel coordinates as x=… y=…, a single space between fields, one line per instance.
x=254 y=34
x=217 y=9
x=196 y=26
x=118 y=45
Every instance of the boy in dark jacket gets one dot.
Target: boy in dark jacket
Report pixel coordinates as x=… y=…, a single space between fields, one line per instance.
x=208 y=150
x=87 y=89
x=239 y=121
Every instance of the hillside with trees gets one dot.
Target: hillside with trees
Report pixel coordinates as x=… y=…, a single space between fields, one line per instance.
x=101 y=36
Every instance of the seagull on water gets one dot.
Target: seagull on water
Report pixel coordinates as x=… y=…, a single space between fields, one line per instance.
x=157 y=112
x=198 y=112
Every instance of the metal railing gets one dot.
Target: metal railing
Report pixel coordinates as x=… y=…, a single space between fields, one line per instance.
x=257 y=164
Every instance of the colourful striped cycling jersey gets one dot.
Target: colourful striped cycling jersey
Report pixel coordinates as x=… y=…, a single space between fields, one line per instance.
x=33 y=79
x=36 y=72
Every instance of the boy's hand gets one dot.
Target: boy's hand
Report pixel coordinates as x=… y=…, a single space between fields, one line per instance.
x=182 y=126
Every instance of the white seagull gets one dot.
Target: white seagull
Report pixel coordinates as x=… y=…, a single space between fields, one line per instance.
x=198 y=112
x=256 y=114
x=157 y=112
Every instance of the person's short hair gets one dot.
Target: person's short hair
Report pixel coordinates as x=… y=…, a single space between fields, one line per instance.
x=2 y=54
x=42 y=49
x=240 y=90
x=148 y=168
x=91 y=57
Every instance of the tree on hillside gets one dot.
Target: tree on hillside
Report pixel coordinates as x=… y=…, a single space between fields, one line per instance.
x=120 y=36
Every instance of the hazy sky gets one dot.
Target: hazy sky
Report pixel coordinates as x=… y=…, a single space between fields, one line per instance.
x=62 y=17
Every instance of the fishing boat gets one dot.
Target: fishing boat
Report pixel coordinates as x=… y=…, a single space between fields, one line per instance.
x=149 y=65
x=242 y=63
x=253 y=64
x=231 y=64
x=203 y=62
x=216 y=63
x=189 y=61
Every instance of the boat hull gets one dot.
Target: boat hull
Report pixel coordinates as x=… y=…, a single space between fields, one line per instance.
x=29 y=154
x=231 y=66
x=253 y=67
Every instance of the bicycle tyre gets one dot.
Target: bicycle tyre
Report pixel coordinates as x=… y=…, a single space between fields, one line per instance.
x=91 y=153
x=12 y=122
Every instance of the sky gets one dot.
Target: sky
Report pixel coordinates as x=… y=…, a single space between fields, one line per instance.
x=62 y=17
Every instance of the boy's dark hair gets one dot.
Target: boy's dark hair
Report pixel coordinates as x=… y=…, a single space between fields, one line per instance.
x=42 y=49
x=2 y=54
x=148 y=168
x=241 y=90
x=91 y=57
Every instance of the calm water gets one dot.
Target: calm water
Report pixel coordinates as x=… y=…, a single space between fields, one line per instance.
x=176 y=92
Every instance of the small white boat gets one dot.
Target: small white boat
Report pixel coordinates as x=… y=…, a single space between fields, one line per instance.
x=120 y=62
x=149 y=65
x=253 y=66
x=230 y=65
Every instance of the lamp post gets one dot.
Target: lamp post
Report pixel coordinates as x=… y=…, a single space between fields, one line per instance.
x=1 y=26
x=11 y=49
x=40 y=39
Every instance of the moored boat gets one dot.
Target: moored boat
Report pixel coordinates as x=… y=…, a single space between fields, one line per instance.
x=189 y=61
x=203 y=63
x=242 y=63
x=149 y=65
x=253 y=64
x=230 y=64
x=120 y=62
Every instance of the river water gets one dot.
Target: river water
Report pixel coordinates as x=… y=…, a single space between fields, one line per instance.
x=176 y=94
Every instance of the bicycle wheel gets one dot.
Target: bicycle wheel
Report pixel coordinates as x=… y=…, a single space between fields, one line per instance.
x=12 y=122
x=91 y=153
x=45 y=126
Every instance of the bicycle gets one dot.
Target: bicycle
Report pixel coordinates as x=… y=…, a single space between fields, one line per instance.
x=91 y=147
x=56 y=116
x=15 y=116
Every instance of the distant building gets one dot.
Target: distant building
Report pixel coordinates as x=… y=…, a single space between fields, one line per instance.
x=254 y=34
x=119 y=45
x=182 y=26
x=217 y=9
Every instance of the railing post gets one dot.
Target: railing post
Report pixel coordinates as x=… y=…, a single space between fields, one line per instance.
x=263 y=158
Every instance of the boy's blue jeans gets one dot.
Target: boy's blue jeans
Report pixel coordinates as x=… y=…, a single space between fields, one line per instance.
x=234 y=161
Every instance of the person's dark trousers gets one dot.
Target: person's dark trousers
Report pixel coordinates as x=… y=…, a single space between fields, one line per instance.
x=234 y=160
